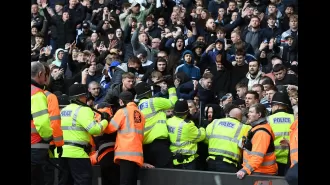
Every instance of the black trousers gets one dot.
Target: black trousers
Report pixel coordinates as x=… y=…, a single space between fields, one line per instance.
x=158 y=153
x=110 y=172
x=292 y=176
x=219 y=165
x=128 y=172
x=80 y=169
x=48 y=177
x=38 y=159
x=187 y=166
x=282 y=169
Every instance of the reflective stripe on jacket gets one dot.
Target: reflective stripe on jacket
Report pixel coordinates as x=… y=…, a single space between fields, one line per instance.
x=41 y=130
x=294 y=143
x=153 y=111
x=281 y=123
x=77 y=123
x=129 y=122
x=258 y=160
x=223 y=136
x=184 y=137
x=55 y=119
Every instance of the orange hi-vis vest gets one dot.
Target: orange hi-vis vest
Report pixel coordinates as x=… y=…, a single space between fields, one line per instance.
x=55 y=119
x=105 y=142
x=41 y=132
x=129 y=121
x=259 y=150
x=105 y=109
x=294 y=143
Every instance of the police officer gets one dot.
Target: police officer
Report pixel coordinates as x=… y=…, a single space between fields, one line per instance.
x=223 y=137
x=104 y=147
x=156 y=146
x=78 y=124
x=184 y=136
x=281 y=121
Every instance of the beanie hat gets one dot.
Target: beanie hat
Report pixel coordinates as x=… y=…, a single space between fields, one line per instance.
x=181 y=108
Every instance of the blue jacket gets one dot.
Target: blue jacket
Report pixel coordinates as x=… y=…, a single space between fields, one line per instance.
x=190 y=70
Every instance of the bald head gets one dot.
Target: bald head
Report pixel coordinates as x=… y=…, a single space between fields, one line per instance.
x=276 y=61
x=236 y=113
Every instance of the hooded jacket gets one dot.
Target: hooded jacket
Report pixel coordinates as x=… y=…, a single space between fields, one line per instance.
x=249 y=81
x=57 y=62
x=190 y=70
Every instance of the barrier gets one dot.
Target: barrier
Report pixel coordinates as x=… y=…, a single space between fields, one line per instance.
x=185 y=177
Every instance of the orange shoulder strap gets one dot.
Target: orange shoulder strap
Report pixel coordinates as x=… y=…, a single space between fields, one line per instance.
x=35 y=90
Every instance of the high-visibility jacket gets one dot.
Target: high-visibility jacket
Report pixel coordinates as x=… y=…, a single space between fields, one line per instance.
x=153 y=111
x=78 y=124
x=258 y=153
x=281 y=123
x=129 y=122
x=223 y=136
x=55 y=119
x=41 y=131
x=294 y=143
x=105 y=109
x=102 y=144
x=184 y=136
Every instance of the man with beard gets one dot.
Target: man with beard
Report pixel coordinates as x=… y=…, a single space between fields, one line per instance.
x=209 y=33
x=133 y=65
x=127 y=84
x=253 y=76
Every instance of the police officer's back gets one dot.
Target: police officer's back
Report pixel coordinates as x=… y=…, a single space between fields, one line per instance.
x=184 y=136
x=78 y=124
x=156 y=145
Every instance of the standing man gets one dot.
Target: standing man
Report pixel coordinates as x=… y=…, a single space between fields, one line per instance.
x=78 y=124
x=156 y=145
x=258 y=155
x=57 y=142
x=223 y=137
x=281 y=121
x=184 y=136
x=41 y=131
x=129 y=122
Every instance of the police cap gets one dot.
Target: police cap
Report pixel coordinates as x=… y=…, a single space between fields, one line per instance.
x=141 y=89
x=181 y=108
x=281 y=98
x=63 y=100
x=76 y=90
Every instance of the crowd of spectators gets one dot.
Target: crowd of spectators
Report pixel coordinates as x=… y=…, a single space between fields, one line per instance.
x=214 y=51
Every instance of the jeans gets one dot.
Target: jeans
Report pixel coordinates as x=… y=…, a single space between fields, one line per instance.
x=292 y=175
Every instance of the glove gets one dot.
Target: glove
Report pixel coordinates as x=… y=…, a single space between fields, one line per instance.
x=170 y=81
x=105 y=116
x=59 y=151
x=52 y=148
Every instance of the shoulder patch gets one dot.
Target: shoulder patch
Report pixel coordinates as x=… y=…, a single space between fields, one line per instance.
x=137 y=117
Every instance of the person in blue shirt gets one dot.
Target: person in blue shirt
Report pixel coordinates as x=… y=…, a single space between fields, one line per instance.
x=188 y=67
